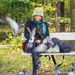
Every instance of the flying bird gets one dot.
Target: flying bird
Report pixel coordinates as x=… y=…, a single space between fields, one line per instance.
x=31 y=39
x=14 y=25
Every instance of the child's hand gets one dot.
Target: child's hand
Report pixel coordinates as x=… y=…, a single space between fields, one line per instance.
x=38 y=41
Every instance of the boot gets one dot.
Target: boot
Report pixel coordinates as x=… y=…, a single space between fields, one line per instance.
x=37 y=60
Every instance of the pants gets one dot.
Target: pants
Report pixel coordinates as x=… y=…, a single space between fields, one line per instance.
x=34 y=54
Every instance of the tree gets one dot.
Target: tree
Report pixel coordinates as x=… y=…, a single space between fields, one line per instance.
x=56 y=17
x=73 y=20
x=73 y=16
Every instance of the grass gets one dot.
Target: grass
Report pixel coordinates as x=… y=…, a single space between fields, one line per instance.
x=12 y=61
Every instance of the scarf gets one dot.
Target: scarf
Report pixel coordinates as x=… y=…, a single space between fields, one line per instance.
x=41 y=27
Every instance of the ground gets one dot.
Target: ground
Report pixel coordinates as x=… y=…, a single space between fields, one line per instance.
x=46 y=73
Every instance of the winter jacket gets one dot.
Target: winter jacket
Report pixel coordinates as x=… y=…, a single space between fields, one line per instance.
x=31 y=25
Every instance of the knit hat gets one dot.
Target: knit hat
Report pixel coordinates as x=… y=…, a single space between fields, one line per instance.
x=38 y=11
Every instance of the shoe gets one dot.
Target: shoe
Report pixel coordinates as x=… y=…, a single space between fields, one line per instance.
x=37 y=61
x=39 y=66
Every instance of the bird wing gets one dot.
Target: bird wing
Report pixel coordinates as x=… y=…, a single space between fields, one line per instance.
x=29 y=30
x=33 y=32
x=17 y=31
x=41 y=48
x=12 y=23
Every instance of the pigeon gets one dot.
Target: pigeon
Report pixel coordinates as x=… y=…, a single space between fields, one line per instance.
x=73 y=67
x=22 y=72
x=31 y=39
x=44 y=45
x=14 y=25
x=39 y=66
x=57 y=72
x=71 y=72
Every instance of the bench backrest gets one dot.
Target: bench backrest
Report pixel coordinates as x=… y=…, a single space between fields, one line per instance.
x=61 y=36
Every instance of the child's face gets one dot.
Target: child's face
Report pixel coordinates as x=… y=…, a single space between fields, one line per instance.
x=38 y=17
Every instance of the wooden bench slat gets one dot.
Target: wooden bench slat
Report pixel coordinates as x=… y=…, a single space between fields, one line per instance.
x=70 y=53
x=63 y=36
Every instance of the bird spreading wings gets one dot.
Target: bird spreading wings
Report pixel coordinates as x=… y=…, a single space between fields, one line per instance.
x=14 y=25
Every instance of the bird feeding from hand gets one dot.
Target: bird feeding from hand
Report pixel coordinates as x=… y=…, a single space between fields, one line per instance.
x=31 y=39
x=43 y=46
x=14 y=25
x=46 y=43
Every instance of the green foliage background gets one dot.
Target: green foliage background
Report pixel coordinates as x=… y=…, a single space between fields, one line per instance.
x=21 y=10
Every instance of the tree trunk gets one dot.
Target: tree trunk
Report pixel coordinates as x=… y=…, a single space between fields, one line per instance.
x=56 y=17
x=73 y=21
x=62 y=25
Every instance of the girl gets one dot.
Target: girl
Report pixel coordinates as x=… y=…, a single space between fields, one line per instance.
x=41 y=33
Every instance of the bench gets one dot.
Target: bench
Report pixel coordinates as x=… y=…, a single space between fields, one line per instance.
x=61 y=36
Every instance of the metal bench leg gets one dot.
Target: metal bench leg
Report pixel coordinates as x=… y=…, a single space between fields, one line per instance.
x=57 y=72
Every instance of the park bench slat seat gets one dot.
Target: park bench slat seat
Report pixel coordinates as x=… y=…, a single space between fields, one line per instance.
x=70 y=53
x=61 y=36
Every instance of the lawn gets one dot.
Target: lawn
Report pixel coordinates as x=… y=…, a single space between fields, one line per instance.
x=12 y=61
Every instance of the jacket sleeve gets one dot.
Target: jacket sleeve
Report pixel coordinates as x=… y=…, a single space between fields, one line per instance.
x=47 y=31
x=26 y=32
